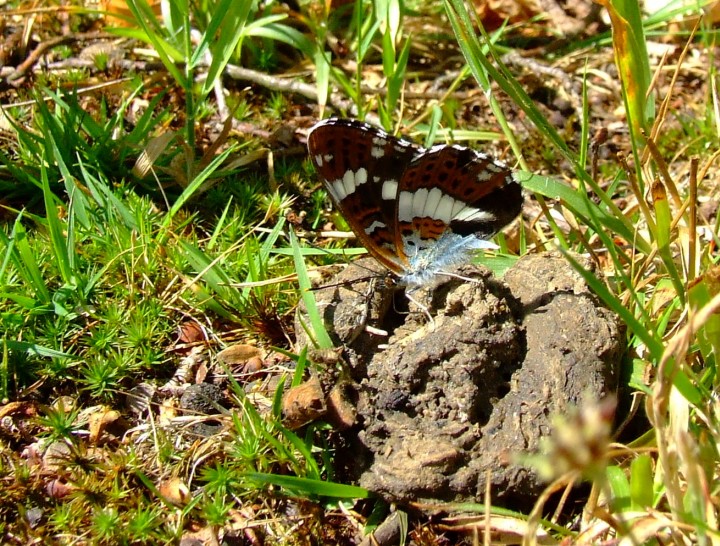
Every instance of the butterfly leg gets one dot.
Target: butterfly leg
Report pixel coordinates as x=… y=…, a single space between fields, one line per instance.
x=409 y=294
x=365 y=311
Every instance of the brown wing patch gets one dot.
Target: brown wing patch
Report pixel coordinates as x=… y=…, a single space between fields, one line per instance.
x=426 y=228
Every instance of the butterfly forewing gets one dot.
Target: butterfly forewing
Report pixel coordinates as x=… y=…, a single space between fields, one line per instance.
x=361 y=167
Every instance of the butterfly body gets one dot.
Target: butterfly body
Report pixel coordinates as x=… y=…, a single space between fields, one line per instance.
x=417 y=210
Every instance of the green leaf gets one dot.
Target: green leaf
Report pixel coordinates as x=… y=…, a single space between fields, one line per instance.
x=620 y=488
x=25 y=261
x=641 y=482
x=633 y=63
x=284 y=34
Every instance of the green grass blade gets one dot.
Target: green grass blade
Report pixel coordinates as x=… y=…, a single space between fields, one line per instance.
x=4 y=372
x=709 y=335
x=222 y=36
x=311 y=487
x=323 y=67
x=311 y=466
x=151 y=32
x=620 y=487
x=483 y=71
x=585 y=128
x=663 y=235
x=320 y=333
x=581 y=206
x=64 y=257
x=36 y=349
x=26 y=263
x=106 y=200
x=196 y=184
x=257 y=262
x=209 y=270
x=284 y=34
x=301 y=363
x=396 y=81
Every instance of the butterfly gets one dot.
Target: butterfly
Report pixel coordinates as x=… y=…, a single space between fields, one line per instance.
x=417 y=210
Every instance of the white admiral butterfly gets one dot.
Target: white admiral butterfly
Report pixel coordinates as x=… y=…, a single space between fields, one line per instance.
x=416 y=210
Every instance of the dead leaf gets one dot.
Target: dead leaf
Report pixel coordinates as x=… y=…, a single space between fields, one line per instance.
x=175 y=491
x=57 y=489
x=341 y=409
x=201 y=373
x=207 y=536
x=304 y=403
x=56 y=456
x=237 y=354
x=99 y=421
x=190 y=331
x=254 y=365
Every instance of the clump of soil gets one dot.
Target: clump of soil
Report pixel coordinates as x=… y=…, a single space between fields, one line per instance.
x=444 y=405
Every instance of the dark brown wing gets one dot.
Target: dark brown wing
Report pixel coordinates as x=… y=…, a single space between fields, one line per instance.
x=361 y=167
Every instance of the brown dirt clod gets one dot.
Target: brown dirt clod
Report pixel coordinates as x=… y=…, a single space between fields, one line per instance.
x=451 y=402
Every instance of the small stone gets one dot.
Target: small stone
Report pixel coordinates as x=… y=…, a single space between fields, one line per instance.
x=202 y=400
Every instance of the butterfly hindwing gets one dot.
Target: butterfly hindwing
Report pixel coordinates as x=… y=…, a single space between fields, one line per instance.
x=459 y=188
